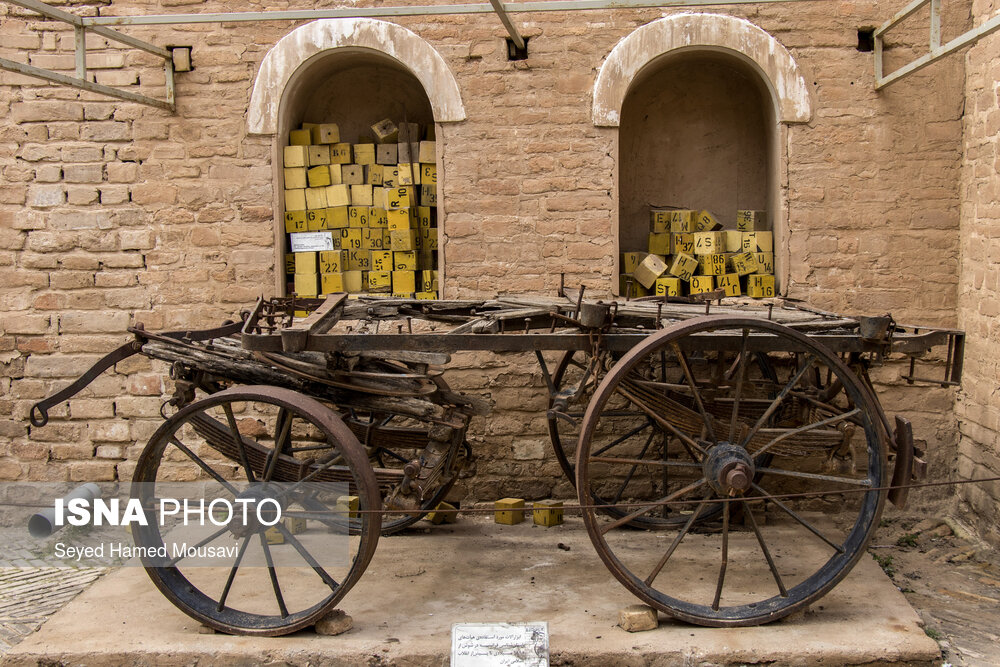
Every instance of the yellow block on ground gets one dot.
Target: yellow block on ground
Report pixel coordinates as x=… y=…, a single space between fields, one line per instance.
x=760 y=286
x=547 y=512
x=667 y=286
x=730 y=283
x=702 y=284
x=443 y=513
x=509 y=511
x=348 y=505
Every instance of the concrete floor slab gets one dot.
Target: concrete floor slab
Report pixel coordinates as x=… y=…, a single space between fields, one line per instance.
x=419 y=584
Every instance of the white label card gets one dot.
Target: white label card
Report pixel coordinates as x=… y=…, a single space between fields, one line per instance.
x=311 y=241
x=500 y=645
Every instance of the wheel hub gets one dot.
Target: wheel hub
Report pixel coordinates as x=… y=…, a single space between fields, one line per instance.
x=729 y=469
x=256 y=509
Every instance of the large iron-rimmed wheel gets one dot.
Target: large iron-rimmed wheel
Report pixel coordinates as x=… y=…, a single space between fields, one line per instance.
x=790 y=467
x=250 y=444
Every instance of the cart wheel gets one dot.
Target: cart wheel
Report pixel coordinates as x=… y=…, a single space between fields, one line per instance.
x=563 y=433
x=264 y=589
x=683 y=425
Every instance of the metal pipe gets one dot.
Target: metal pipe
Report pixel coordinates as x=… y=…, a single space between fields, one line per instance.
x=42 y=524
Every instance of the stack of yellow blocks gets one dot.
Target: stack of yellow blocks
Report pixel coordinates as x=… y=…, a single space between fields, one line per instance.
x=689 y=252
x=379 y=212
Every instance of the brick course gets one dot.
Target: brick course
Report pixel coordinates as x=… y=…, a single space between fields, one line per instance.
x=114 y=213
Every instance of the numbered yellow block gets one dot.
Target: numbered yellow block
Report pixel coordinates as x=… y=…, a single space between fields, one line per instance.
x=353 y=282
x=428 y=174
x=445 y=512
x=295 y=221
x=319 y=156
x=649 y=269
x=306 y=262
x=712 y=265
x=758 y=242
x=349 y=506
x=340 y=153
x=295 y=156
x=403 y=239
x=429 y=239
x=404 y=260
x=332 y=261
x=373 y=174
x=331 y=282
x=289 y=262
x=337 y=217
x=295 y=178
x=706 y=222
x=707 y=243
x=398 y=219
x=760 y=286
x=682 y=243
x=307 y=284
x=359 y=260
x=631 y=261
x=702 y=284
x=390 y=176
x=408 y=174
x=382 y=260
x=427 y=152
x=364 y=154
x=744 y=263
x=295 y=200
x=683 y=266
x=404 y=282
x=316 y=198
x=429 y=280
x=682 y=221
x=427 y=296
x=318 y=177
x=372 y=239
x=425 y=217
x=316 y=220
x=509 y=511
x=350 y=238
x=401 y=197
x=751 y=221
x=629 y=287
x=765 y=262
x=299 y=138
x=732 y=241
x=294 y=524
x=659 y=220
x=659 y=243
x=547 y=512
x=428 y=195
x=357 y=216
x=668 y=286
x=380 y=281
x=325 y=133
x=378 y=217
x=729 y=283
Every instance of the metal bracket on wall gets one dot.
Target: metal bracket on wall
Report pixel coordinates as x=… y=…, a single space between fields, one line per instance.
x=937 y=49
x=81 y=29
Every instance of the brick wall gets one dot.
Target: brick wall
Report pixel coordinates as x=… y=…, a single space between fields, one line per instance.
x=979 y=292
x=113 y=213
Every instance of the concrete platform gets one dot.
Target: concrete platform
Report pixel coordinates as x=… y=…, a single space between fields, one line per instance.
x=477 y=571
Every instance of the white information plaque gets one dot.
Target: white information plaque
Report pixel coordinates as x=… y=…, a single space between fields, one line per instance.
x=311 y=241
x=500 y=645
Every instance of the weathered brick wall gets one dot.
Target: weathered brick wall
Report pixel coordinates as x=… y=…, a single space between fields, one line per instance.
x=979 y=292
x=113 y=213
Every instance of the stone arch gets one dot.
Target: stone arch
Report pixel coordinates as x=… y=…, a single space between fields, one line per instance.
x=712 y=32
x=299 y=46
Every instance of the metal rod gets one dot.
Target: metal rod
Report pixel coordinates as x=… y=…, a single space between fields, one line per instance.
x=80 y=47
x=30 y=70
x=501 y=11
x=417 y=10
x=935 y=24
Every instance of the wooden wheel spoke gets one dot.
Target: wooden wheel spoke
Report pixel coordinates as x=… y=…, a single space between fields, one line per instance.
x=677 y=540
x=778 y=400
x=741 y=376
x=232 y=574
x=275 y=586
x=725 y=557
x=653 y=505
x=621 y=439
x=790 y=512
x=238 y=441
x=308 y=557
x=282 y=429
x=635 y=466
x=659 y=463
x=816 y=476
x=803 y=429
x=210 y=538
x=204 y=466
x=763 y=547
x=682 y=360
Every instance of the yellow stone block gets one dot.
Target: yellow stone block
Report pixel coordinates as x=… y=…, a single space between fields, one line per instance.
x=732 y=241
x=350 y=238
x=547 y=512
x=398 y=219
x=649 y=269
x=340 y=153
x=378 y=217
x=667 y=286
x=682 y=242
x=295 y=178
x=306 y=262
x=364 y=154
x=428 y=174
x=425 y=217
x=683 y=266
x=758 y=242
x=299 y=138
x=373 y=174
x=427 y=296
x=707 y=243
x=443 y=513
x=429 y=239
x=338 y=195
x=659 y=243
x=325 y=133
x=706 y=222
x=385 y=131
x=361 y=195
x=336 y=177
x=295 y=156
x=631 y=261
x=427 y=152
x=380 y=281
x=316 y=198
x=382 y=260
x=744 y=263
x=682 y=221
x=295 y=221
x=318 y=155
x=316 y=220
x=730 y=283
x=404 y=260
x=337 y=216
x=401 y=197
x=295 y=200
x=712 y=265
x=332 y=261
x=307 y=284
x=357 y=216
x=332 y=282
x=319 y=177
x=404 y=282
x=509 y=511
x=352 y=174
x=659 y=220
x=359 y=260
x=372 y=239
x=386 y=154
x=390 y=175
x=765 y=262
x=751 y=221
x=403 y=239
x=428 y=195
x=429 y=280
x=289 y=262
x=294 y=524
x=702 y=284
x=629 y=287
x=409 y=174
x=353 y=282
x=349 y=506
x=760 y=286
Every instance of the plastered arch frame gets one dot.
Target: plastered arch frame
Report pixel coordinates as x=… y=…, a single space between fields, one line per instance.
x=730 y=36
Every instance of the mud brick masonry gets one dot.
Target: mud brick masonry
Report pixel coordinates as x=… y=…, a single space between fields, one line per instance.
x=113 y=213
